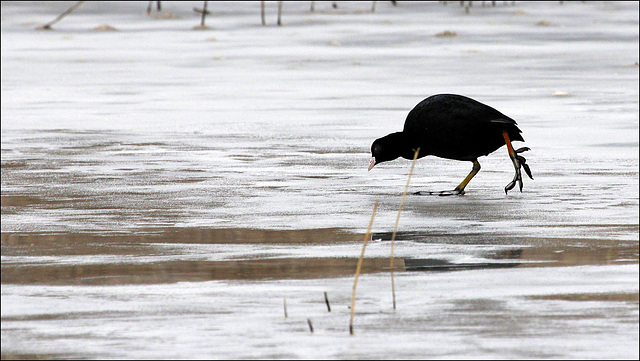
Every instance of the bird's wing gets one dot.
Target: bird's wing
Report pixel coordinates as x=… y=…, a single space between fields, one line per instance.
x=448 y=114
x=504 y=120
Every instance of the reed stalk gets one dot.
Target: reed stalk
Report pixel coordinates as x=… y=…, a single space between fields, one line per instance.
x=395 y=229
x=359 y=267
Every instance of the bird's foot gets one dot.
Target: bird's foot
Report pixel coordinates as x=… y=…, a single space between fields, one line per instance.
x=455 y=192
x=516 y=178
x=519 y=162
x=523 y=162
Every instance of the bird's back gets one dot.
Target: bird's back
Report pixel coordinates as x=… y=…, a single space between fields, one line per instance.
x=457 y=127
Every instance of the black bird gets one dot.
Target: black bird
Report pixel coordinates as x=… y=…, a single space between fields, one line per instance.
x=453 y=127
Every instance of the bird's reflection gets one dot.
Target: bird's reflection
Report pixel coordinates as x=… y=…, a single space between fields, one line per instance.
x=432 y=264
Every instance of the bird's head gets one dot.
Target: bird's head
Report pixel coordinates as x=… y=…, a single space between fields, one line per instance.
x=386 y=148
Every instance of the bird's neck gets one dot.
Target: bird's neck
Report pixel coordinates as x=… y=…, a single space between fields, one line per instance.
x=409 y=147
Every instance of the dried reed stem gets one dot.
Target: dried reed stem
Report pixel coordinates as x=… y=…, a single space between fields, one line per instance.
x=310 y=325
x=47 y=26
x=204 y=13
x=284 y=303
x=359 y=267
x=279 y=13
x=395 y=229
x=326 y=300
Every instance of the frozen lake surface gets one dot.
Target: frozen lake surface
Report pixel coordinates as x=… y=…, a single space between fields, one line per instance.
x=164 y=189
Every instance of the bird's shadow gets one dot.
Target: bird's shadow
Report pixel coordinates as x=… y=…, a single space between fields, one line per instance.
x=439 y=193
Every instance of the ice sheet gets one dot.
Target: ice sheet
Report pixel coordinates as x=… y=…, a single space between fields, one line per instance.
x=160 y=130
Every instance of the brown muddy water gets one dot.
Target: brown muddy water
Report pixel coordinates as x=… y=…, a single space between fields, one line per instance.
x=133 y=259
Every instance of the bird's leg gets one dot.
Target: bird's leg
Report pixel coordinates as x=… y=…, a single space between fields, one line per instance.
x=518 y=162
x=459 y=190
x=476 y=168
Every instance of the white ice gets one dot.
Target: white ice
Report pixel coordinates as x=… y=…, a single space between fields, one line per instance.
x=157 y=125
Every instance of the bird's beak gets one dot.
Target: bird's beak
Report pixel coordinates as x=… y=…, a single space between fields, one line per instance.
x=372 y=162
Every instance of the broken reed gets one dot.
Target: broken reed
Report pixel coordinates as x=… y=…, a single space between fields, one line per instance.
x=395 y=229
x=359 y=267
x=48 y=25
x=284 y=302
